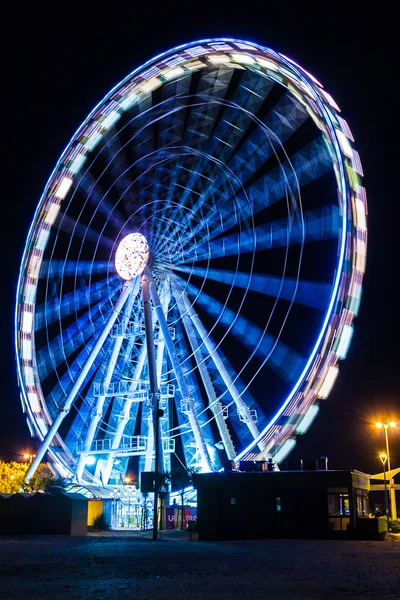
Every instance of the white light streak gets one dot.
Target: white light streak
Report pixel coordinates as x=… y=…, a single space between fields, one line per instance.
x=284 y=450
x=171 y=73
x=344 y=341
x=110 y=120
x=129 y=100
x=42 y=238
x=344 y=143
x=34 y=266
x=29 y=293
x=34 y=402
x=77 y=163
x=26 y=350
x=150 y=85
x=360 y=214
x=28 y=376
x=329 y=381
x=244 y=59
x=52 y=213
x=27 y=321
x=308 y=418
x=63 y=188
x=267 y=64
x=93 y=140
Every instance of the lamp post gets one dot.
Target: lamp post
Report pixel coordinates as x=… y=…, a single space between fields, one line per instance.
x=384 y=458
x=392 y=498
x=29 y=457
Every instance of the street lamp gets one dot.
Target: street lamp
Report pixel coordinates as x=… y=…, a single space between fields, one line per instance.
x=386 y=427
x=384 y=458
x=392 y=498
x=29 y=457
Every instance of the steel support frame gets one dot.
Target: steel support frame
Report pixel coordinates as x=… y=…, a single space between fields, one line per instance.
x=70 y=399
x=215 y=406
x=192 y=417
x=146 y=282
x=98 y=410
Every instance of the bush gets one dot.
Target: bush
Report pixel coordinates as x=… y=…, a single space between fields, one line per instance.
x=395 y=525
x=101 y=523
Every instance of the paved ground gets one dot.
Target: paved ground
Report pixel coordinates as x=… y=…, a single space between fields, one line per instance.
x=128 y=566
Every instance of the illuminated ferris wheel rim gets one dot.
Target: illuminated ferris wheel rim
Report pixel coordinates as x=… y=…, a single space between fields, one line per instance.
x=244 y=54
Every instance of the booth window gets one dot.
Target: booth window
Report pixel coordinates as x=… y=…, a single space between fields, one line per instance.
x=339 y=511
x=362 y=503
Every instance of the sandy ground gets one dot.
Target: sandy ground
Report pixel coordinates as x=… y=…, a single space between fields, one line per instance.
x=130 y=566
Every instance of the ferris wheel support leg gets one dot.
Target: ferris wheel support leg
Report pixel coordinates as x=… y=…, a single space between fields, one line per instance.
x=215 y=406
x=98 y=410
x=151 y=358
x=193 y=419
x=126 y=291
x=106 y=472
x=242 y=407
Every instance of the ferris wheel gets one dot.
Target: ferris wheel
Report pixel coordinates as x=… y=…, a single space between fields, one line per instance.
x=193 y=267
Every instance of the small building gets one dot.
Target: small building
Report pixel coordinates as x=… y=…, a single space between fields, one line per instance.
x=43 y=513
x=286 y=504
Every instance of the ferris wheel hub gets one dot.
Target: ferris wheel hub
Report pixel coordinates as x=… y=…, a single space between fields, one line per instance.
x=132 y=256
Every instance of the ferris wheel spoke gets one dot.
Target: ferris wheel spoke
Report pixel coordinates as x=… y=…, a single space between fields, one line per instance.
x=309 y=165
x=213 y=403
x=99 y=407
x=64 y=306
x=187 y=399
x=284 y=361
x=70 y=339
x=319 y=224
x=81 y=377
x=128 y=415
x=308 y=293
x=69 y=225
x=57 y=268
x=212 y=349
x=100 y=200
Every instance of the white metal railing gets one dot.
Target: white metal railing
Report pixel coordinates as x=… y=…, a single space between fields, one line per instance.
x=136 y=444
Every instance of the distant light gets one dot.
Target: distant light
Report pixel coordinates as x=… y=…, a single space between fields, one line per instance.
x=392 y=424
x=132 y=256
x=379 y=425
x=383 y=457
x=90 y=460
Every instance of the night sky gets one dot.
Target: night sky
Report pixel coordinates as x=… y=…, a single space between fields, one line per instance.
x=57 y=67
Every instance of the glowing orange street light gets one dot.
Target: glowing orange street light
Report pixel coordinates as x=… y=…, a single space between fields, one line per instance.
x=386 y=427
x=29 y=457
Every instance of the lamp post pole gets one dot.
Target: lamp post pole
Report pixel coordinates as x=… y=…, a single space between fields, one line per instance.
x=384 y=458
x=392 y=497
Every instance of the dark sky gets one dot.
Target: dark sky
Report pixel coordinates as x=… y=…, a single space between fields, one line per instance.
x=57 y=66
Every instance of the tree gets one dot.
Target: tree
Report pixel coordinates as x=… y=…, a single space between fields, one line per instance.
x=12 y=478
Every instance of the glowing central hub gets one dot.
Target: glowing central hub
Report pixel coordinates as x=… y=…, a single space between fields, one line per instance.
x=132 y=256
